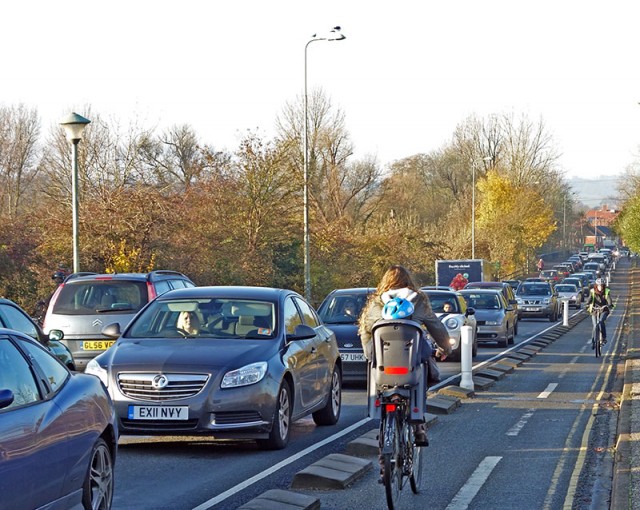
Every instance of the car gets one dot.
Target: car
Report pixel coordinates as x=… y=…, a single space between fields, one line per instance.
x=261 y=360
x=593 y=266
x=86 y=302
x=578 y=282
x=58 y=431
x=459 y=315
x=550 y=275
x=514 y=283
x=496 y=318
x=571 y=293
x=537 y=300
x=14 y=317
x=437 y=287
x=507 y=292
x=339 y=311
x=564 y=269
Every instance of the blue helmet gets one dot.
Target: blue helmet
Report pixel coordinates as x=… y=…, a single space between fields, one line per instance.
x=397 y=308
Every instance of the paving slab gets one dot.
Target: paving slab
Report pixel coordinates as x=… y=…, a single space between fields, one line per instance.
x=456 y=391
x=278 y=499
x=496 y=375
x=442 y=404
x=335 y=471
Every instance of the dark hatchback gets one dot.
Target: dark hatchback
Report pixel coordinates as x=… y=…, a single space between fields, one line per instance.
x=340 y=311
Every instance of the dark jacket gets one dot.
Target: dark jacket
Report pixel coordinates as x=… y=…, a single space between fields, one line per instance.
x=422 y=314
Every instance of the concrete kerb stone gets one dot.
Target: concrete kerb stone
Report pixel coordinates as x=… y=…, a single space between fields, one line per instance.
x=456 y=392
x=442 y=404
x=522 y=356
x=335 y=471
x=278 y=499
x=489 y=373
x=503 y=366
x=482 y=383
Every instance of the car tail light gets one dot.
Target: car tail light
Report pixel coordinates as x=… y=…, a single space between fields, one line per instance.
x=151 y=291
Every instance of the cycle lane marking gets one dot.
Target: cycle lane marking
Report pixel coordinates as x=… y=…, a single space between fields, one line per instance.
x=475 y=482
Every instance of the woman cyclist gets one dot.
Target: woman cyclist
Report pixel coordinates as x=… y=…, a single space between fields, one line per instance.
x=397 y=283
x=599 y=297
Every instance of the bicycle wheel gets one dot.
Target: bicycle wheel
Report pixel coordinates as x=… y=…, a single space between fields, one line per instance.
x=415 y=479
x=598 y=336
x=392 y=463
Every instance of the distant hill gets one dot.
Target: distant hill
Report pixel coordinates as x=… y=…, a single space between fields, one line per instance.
x=593 y=193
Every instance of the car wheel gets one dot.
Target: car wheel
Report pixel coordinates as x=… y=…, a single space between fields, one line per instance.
x=511 y=339
x=515 y=328
x=281 y=426
x=552 y=317
x=505 y=342
x=97 y=490
x=330 y=413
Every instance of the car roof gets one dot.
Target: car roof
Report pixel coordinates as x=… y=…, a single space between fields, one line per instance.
x=150 y=276
x=231 y=291
x=483 y=291
x=354 y=290
x=485 y=285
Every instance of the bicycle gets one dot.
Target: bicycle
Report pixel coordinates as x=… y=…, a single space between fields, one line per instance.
x=397 y=397
x=596 y=338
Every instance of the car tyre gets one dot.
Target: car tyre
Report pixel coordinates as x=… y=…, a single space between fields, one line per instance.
x=281 y=427
x=505 y=342
x=97 y=489
x=515 y=327
x=330 y=413
x=512 y=338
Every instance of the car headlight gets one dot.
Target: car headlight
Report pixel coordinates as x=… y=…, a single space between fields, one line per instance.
x=94 y=368
x=451 y=323
x=244 y=376
x=520 y=301
x=546 y=301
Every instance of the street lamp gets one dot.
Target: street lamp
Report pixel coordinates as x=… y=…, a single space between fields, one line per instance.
x=473 y=205
x=334 y=35
x=74 y=125
x=564 y=219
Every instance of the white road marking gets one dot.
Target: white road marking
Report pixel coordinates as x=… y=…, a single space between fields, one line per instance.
x=515 y=430
x=279 y=465
x=475 y=482
x=549 y=389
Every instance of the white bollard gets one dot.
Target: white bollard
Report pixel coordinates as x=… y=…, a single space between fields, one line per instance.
x=565 y=312
x=466 y=355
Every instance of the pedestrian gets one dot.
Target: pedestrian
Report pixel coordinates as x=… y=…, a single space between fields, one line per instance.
x=540 y=264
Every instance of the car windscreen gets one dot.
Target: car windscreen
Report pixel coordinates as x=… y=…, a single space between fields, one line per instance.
x=566 y=288
x=100 y=296
x=207 y=318
x=438 y=302
x=483 y=301
x=342 y=308
x=533 y=290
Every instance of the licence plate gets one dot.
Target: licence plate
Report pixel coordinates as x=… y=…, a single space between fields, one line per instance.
x=97 y=345
x=158 y=413
x=532 y=309
x=351 y=356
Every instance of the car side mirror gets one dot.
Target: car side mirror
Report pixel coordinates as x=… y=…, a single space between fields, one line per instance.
x=6 y=398
x=112 y=330
x=302 y=332
x=56 y=335
x=470 y=311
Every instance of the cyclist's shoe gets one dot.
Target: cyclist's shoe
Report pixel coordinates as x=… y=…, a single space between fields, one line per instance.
x=421 y=435
x=593 y=343
x=604 y=340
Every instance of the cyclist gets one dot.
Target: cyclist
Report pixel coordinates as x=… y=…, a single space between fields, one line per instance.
x=396 y=288
x=599 y=297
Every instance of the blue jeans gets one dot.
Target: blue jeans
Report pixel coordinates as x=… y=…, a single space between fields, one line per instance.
x=603 y=328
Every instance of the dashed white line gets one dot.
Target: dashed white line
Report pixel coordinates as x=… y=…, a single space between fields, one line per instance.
x=515 y=430
x=548 y=390
x=475 y=482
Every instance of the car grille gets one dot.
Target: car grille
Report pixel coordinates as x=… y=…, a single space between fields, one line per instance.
x=179 y=386
x=480 y=323
x=232 y=418
x=158 y=425
x=532 y=301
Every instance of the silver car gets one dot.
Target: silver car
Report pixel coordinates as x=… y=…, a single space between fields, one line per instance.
x=496 y=318
x=248 y=362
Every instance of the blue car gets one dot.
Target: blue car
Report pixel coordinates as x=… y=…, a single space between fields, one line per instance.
x=58 y=432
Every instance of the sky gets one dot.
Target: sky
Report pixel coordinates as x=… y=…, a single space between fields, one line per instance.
x=406 y=75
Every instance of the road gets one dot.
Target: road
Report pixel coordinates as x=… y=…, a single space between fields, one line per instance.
x=539 y=438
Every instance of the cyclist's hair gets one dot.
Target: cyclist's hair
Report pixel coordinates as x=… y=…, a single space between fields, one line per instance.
x=396 y=277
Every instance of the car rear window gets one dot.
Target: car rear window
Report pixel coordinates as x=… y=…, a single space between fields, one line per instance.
x=100 y=296
x=342 y=308
x=534 y=290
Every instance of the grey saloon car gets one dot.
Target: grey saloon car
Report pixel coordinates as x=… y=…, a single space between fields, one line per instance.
x=249 y=362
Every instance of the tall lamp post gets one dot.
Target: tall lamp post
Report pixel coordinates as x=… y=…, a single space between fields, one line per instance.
x=473 y=204
x=74 y=125
x=564 y=219
x=334 y=35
